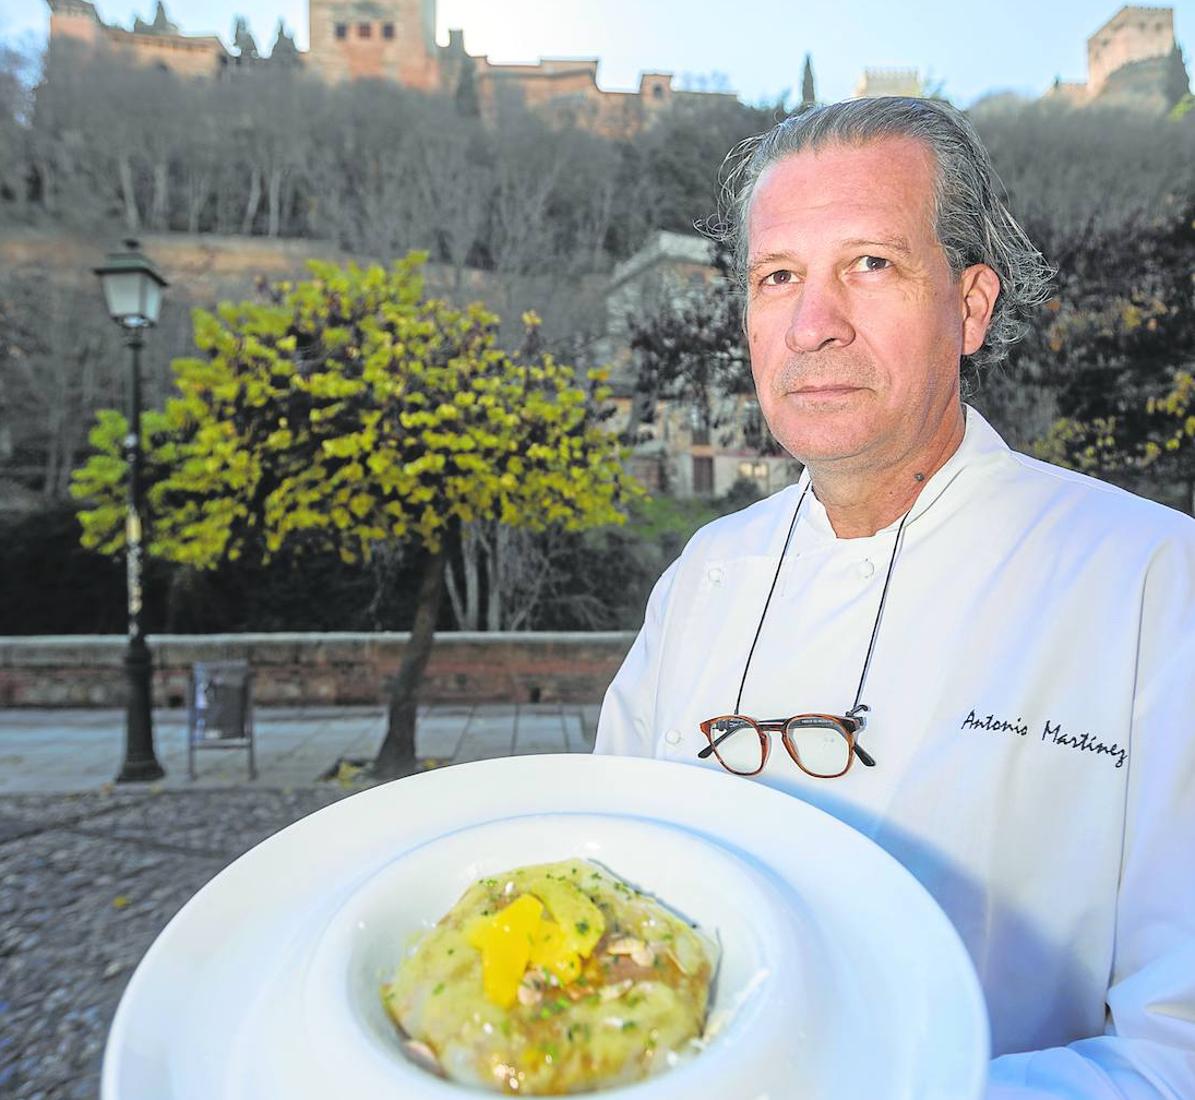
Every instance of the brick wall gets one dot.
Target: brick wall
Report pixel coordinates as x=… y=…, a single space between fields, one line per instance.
x=300 y=669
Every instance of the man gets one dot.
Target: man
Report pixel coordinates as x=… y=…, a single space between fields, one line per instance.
x=1010 y=646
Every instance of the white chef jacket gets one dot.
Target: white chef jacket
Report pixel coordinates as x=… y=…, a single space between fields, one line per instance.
x=1032 y=696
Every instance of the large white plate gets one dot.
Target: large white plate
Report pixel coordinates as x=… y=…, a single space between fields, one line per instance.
x=870 y=992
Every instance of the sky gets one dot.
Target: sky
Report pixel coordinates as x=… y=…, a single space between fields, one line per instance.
x=759 y=49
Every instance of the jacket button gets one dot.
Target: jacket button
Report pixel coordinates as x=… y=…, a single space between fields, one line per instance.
x=672 y=737
x=714 y=574
x=867 y=567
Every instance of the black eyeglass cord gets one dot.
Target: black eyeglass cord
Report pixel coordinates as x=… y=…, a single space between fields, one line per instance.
x=875 y=629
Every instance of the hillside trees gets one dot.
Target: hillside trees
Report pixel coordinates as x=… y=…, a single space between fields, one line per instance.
x=1105 y=194
x=1121 y=339
x=354 y=412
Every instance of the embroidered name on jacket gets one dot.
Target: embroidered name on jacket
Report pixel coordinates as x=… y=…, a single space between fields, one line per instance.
x=1052 y=732
x=991 y=722
x=1083 y=742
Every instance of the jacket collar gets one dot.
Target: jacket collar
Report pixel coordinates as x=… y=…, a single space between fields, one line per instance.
x=980 y=446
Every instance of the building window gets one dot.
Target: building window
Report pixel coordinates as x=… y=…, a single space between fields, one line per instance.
x=703 y=475
x=364 y=30
x=387 y=30
x=755 y=471
x=658 y=91
x=342 y=30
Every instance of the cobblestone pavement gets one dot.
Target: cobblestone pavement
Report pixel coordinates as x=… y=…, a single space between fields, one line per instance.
x=87 y=881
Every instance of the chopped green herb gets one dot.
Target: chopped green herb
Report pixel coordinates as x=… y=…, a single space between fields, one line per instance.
x=629 y=1025
x=582 y=926
x=439 y=989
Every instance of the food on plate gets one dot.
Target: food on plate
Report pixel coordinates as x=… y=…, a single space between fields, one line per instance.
x=552 y=979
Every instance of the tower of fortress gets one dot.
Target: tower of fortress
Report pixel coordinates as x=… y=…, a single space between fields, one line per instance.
x=1132 y=60
x=1132 y=34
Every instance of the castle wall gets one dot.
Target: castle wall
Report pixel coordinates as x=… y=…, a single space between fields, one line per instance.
x=182 y=55
x=1132 y=34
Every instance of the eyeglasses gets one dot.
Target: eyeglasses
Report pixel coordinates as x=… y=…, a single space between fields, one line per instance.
x=821 y=745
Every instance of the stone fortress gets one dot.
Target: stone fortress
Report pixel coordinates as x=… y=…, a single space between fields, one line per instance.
x=1133 y=59
x=389 y=40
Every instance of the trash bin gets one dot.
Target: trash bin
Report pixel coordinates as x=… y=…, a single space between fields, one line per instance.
x=220 y=710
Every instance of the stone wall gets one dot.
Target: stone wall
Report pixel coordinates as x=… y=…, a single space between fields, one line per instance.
x=317 y=669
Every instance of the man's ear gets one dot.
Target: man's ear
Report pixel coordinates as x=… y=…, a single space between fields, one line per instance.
x=980 y=287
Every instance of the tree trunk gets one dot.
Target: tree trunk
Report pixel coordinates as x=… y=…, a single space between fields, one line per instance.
x=132 y=219
x=396 y=757
x=466 y=603
x=199 y=189
x=274 y=202
x=161 y=202
x=252 y=204
x=495 y=554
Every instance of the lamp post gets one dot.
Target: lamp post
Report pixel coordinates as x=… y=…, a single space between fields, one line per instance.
x=133 y=292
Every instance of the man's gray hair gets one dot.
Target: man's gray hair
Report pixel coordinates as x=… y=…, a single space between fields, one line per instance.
x=972 y=223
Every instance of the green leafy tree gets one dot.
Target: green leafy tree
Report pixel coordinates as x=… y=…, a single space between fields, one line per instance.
x=351 y=411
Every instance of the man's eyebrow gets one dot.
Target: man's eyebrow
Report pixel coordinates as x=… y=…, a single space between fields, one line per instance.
x=892 y=244
x=768 y=258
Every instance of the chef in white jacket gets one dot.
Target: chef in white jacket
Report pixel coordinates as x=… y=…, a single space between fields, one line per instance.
x=982 y=662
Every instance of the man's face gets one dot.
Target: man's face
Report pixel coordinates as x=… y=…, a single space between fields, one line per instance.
x=854 y=319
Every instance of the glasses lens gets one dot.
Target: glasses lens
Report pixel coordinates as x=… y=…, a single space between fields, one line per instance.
x=820 y=745
x=737 y=744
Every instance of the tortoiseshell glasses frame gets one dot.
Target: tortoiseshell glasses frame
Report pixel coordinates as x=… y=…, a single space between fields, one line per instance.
x=718 y=730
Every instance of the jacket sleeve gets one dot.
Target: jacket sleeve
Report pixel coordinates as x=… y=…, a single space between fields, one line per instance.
x=625 y=726
x=1148 y=1049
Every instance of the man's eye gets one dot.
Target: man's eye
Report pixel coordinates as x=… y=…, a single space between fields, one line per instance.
x=872 y=263
x=778 y=278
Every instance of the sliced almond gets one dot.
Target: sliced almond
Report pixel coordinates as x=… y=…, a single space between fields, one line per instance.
x=423 y=1055
x=530 y=990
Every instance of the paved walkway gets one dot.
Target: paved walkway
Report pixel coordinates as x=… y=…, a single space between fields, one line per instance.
x=63 y=751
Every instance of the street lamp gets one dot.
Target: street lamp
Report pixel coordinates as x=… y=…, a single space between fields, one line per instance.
x=133 y=290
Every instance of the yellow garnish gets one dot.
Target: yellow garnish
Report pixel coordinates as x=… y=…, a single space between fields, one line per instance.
x=521 y=935
x=504 y=941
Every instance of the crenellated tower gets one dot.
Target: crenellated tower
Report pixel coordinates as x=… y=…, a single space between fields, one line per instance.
x=386 y=39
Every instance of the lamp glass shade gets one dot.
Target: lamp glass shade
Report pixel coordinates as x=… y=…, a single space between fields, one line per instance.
x=151 y=301
x=124 y=291
x=132 y=287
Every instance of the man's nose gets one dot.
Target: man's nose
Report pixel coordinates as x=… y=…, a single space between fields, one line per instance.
x=819 y=317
